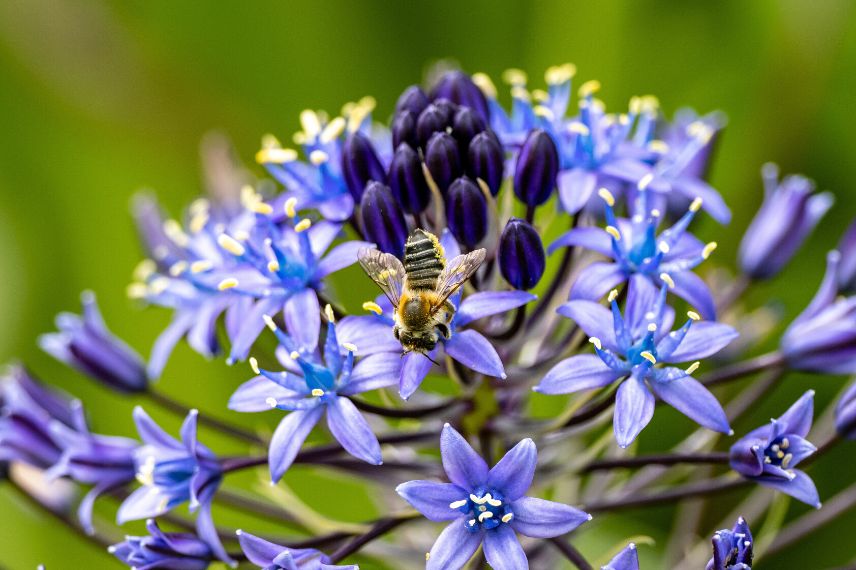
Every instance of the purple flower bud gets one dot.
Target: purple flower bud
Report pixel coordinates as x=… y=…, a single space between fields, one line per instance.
x=407 y=180
x=404 y=129
x=847 y=265
x=360 y=164
x=163 y=550
x=383 y=221
x=536 y=169
x=732 y=549
x=266 y=554
x=486 y=160
x=443 y=160
x=521 y=255
x=413 y=99
x=466 y=210
x=458 y=87
x=85 y=344
x=845 y=413
x=434 y=119
x=787 y=216
x=465 y=126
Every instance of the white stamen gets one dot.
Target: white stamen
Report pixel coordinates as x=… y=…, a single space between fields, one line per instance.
x=708 y=249
x=645 y=181
x=290 y=205
x=652 y=327
x=328 y=311
x=613 y=231
x=664 y=247
x=606 y=196
x=596 y=342
x=612 y=295
x=276 y=155
x=693 y=315
x=590 y=87
x=318 y=157
x=254 y=365
x=200 y=266
x=262 y=208
x=696 y=205
x=269 y=322
x=373 y=307
x=693 y=367
x=273 y=266
x=485 y=515
x=786 y=460
x=317 y=392
x=350 y=347
x=494 y=502
x=294 y=355
x=178 y=268
x=271 y=402
x=667 y=279
x=458 y=504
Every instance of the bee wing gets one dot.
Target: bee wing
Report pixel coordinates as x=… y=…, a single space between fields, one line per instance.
x=384 y=269
x=456 y=273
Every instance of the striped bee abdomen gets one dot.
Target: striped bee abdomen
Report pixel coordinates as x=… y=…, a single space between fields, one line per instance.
x=423 y=260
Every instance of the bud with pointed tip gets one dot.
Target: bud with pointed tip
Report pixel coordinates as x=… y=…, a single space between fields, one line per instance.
x=847 y=265
x=521 y=255
x=845 y=413
x=434 y=119
x=360 y=164
x=404 y=129
x=466 y=210
x=412 y=99
x=443 y=160
x=407 y=180
x=383 y=221
x=465 y=126
x=458 y=87
x=486 y=160
x=536 y=169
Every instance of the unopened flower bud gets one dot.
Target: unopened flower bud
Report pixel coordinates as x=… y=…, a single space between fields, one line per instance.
x=383 y=221
x=536 y=169
x=486 y=161
x=443 y=160
x=407 y=180
x=521 y=255
x=434 y=119
x=458 y=87
x=465 y=126
x=466 y=210
x=360 y=164
x=413 y=99
x=404 y=129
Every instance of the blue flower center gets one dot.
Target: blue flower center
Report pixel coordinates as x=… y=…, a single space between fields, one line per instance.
x=778 y=454
x=485 y=510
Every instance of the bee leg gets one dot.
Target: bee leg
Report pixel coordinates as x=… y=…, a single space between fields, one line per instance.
x=395 y=332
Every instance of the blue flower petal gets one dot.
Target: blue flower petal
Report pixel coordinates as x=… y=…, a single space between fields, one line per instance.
x=540 y=518
x=694 y=290
x=591 y=238
x=252 y=395
x=303 y=318
x=593 y=318
x=576 y=186
x=596 y=280
x=252 y=325
x=433 y=499
x=703 y=339
x=801 y=487
x=487 y=303
x=370 y=335
x=339 y=257
x=798 y=418
x=288 y=438
x=372 y=372
x=464 y=467
x=688 y=396
x=205 y=528
x=581 y=372
x=258 y=550
x=351 y=429
x=627 y=559
x=151 y=433
x=166 y=341
x=513 y=474
x=475 y=352
x=453 y=548
x=414 y=369
x=503 y=551
x=634 y=408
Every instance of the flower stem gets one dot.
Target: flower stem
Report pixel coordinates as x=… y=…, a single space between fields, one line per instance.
x=575 y=556
x=665 y=459
x=739 y=369
x=690 y=490
x=168 y=403
x=380 y=528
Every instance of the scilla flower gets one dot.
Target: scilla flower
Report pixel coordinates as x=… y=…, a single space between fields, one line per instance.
x=627 y=559
x=486 y=506
x=770 y=453
x=163 y=550
x=629 y=346
x=732 y=549
x=270 y=556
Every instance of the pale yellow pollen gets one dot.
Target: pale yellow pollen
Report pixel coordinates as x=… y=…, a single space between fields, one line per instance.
x=269 y=322
x=200 y=266
x=458 y=504
x=786 y=460
x=317 y=392
x=652 y=327
x=254 y=365
x=645 y=181
x=303 y=225
x=328 y=311
x=658 y=146
x=507 y=517
x=159 y=285
x=785 y=443
x=596 y=342
x=270 y=141
x=485 y=83
x=276 y=155
x=667 y=279
x=197 y=222
x=520 y=92
x=589 y=88
x=262 y=208
x=242 y=235
x=623 y=119
x=696 y=204
x=606 y=196
x=145 y=269
x=650 y=104
x=294 y=355
x=357 y=115
x=648 y=356
x=368 y=102
x=494 y=502
x=612 y=295
x=299 y=138
x=485 y=515
x=173 y=231
x=199 y=205
x=514 y=76
x=559 y=74
x=693 y=315
x=540 y=95
x=273 y=266
x=290 y=206
x=318 y=157
x=700 y=131
x=708 y=249
x=635 y=105
x=780 y=454
x=309 y=123
x=136 y=291
x=178 y=268
x=613 y=231
x=271 y=402
x=655 y=213
x=373 y=307
x=693 y=367
x=333 y=130
x=479 y=501
x=227 y=283
x=427 y=556
x=349 y=346
x=664 y=247
x=542 y=111
x=578 y=128
x=231 y=245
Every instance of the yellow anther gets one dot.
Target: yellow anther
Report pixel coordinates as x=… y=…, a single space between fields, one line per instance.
x=173 y=231
x=299 y=138
x=349 y=346
x=427 y=556
x=199 y=205
x=667 y=279
x=696 y=205
x=589 y=88
x=623 y=119
x=655 y=213
x=303 y=225
x=613 y=231
x=700 y=131
x=269 y=322
x=540 y=95
x=317 y=392
x=507 y=517
x=648 y=356
x=693 y=367
x=309 y=123
x=780 y=454
x=514 y=76
x=578 y=128
x=479 y=501
x=520 y=92
x=318 y=157
x=786 y=460
x=276 y=155
x=368 y=102
x=650 y=104
x=158 y=285
x=231 y=245
x=197 y=222
x=242 y=235
x=635 y=105
x=559 y=74
x=664 y=247
x=356 y=117
x=693 y=315
x=178 y=268
x=542 y=111
x=273 y=266
x=200 y=266
x=290 y=206
x=227 y=283
x=294 y=355
x=658 y=146
x=271 y=402
x=333 y=130
x=652 y=327
x=494 y=502
x=270 y=141
x=606 y=196
x=373 y=307
x=136 y=291
x=458 y=504
x=596 y=342
x=485 y=515
x=612 y=295
x=254 y=365
x=485 y=83
x=708 y=249
x=145 y=269
x=328 y=311
x=262 y=208
x=645 y=181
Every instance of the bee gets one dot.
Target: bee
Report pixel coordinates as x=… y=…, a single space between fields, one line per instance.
x=419 y=290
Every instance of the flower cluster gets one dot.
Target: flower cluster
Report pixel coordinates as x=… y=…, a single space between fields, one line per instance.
x=447 y=209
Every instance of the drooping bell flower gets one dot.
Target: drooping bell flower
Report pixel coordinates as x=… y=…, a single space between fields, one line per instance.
x=466 y=212
x=383 y=221
x=360 y=164
x=163 y=550
x=521 y=255
x=536 y=169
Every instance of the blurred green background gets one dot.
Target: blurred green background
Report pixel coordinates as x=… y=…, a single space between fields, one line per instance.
x=99 y=99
